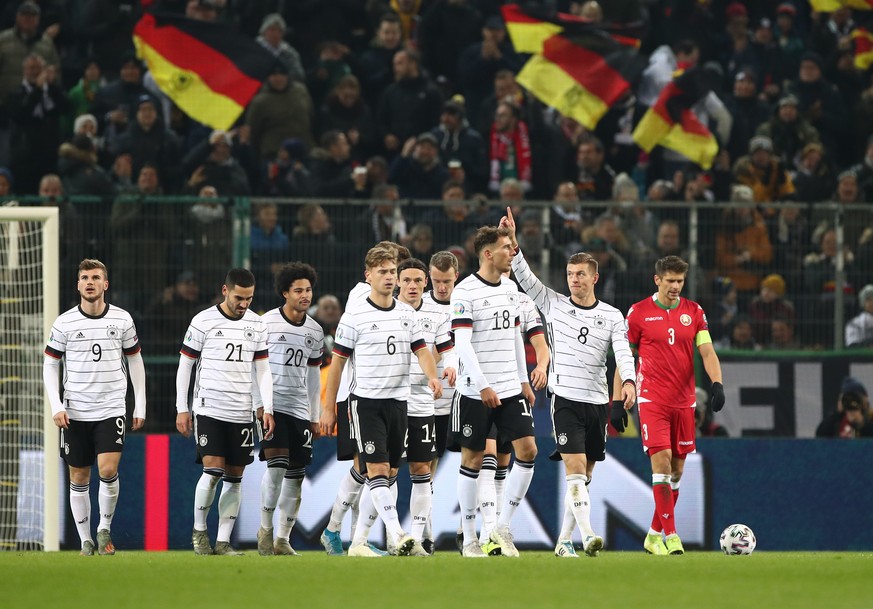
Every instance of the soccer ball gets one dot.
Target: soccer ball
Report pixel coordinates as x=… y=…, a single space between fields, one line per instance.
x=737 y=539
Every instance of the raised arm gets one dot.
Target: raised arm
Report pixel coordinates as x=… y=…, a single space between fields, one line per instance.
x=530 y=283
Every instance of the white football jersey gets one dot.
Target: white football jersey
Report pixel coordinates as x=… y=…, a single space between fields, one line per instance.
x=383 y=341
x=443 y=406
x=357 y=297
x=225 y=350
x=93 y=350
x=293 y=349
x=580 y=339
x=491 y=310
x=435 y=326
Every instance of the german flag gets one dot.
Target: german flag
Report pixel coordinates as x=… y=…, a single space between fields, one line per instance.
x=580 y=71
x=863 y=42
x=671 y=123
x=527 y=31
x=829 y=6
x=209 y=70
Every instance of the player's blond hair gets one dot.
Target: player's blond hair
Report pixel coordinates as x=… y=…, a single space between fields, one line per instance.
x=402 y=251
x=377 y=255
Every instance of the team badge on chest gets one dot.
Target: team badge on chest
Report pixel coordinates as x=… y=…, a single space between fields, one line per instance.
x=685 y=319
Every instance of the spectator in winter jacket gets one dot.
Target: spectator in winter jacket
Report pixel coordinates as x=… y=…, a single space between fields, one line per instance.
x=458 y=141
x=283 y=109
x=409 y=106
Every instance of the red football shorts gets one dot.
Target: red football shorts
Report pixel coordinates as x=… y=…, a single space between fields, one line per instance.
x=663 y=427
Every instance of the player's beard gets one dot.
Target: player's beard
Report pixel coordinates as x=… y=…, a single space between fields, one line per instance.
x=236 y=312
x=91 y=298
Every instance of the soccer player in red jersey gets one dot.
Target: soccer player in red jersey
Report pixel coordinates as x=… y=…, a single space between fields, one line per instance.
x=663 y=330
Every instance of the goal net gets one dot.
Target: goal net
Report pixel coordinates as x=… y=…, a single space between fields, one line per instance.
x=29 y=511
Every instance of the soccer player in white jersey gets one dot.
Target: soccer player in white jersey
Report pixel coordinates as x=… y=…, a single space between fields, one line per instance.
x=492 y=384
x=582 y=330
x=228 y=343
x=296 y=342
x=91 y=338
x=435 y=325
x=383 y=335
x=443 y=270
x=498 y=452
x=352 y=487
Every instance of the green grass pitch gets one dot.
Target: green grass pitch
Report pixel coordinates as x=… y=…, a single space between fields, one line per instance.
x=703 y=580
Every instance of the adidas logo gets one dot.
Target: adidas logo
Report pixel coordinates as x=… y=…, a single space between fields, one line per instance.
x=374 y=327
x=573 y=312
x=486 y=303
x=219 y=333
x=80 y=335
x=282 y=339
x=119 y=441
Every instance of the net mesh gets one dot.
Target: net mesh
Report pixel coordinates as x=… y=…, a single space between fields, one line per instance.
x=21 y=386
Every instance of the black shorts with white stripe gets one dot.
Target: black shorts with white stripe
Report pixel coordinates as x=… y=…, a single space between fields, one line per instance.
x=421 y=440
x=580 y=427
x=472 y=420
x=291 y=434
x=82 y=441
x=215 y=438
x=379 y=427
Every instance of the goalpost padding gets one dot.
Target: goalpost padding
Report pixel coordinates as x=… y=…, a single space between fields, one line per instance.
x=29 y=293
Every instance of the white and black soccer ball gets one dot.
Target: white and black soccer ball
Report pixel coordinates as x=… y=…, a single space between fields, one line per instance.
x=737 y=539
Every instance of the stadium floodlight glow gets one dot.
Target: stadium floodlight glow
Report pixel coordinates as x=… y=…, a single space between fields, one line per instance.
x=29 y=295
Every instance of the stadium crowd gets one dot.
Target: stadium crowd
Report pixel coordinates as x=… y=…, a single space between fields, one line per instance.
x=397 y=100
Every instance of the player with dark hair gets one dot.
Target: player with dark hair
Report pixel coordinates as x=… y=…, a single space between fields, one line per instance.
x=664 y=329
x=226 y=342
x=498 y=453
x=295 y=342
x=91 y=338
x=582 y=330
x=492 y=385
x=435 y=325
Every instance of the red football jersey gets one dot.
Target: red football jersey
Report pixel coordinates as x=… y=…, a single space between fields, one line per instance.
x=665 y=340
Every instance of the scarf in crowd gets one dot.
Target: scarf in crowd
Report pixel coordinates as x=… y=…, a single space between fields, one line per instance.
x=510 y=156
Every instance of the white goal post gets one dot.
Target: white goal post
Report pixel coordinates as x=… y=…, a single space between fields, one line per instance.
x=29 y=296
